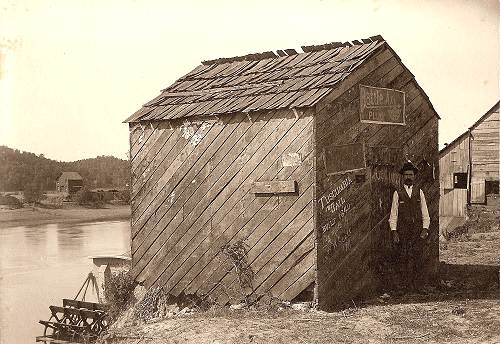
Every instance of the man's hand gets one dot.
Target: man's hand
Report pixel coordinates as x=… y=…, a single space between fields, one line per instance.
x=424 y=233
x=395 y=237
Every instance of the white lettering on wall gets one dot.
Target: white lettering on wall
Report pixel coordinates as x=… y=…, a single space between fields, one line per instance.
x=325 y=200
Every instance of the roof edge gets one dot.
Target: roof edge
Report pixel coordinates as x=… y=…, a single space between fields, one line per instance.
x=472 y=127
x=426 y=97
x=486 y=114
x=290 y=52
x=447 y=147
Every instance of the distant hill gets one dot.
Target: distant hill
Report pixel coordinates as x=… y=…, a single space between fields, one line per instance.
x=18 y=168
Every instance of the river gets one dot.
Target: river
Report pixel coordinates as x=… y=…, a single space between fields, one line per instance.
x=41 y=265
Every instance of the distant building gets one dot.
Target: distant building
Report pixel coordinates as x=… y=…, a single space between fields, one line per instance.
x=470 y=165
x=69 y=182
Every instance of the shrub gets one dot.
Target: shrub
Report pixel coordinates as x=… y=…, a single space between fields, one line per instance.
x=236 y=255
x=89 y=198
x=124 y=196
x=119 y=292
x=32 y=193
x=10 y=201
x=148 y=308
x=53 y=201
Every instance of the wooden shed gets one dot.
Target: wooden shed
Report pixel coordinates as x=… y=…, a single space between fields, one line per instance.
x=470 y=166
x=272 y=173
x=69 y=182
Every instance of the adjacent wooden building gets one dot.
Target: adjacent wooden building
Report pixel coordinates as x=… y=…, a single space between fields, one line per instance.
x=69 y=182
x=272 y=173
x=470 y=166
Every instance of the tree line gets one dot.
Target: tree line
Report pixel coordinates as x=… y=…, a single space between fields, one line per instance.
x=19 y=169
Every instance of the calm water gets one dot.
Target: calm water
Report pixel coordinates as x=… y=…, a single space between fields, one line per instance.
x=41 y=265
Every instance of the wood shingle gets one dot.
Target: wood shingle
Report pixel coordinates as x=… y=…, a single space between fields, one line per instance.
x=258 y=82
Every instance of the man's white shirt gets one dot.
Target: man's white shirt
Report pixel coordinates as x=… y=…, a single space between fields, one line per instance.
x=393 y=218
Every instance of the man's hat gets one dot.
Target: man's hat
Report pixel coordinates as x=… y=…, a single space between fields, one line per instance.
x=408 y=166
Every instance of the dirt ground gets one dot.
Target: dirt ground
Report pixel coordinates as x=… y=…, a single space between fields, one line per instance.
x=457 y=321
x=477 y=241
x=441 y=316
x=476 y=248
x=68 y=214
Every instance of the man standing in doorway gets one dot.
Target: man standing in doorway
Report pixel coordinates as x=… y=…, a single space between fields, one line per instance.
x=409 y=222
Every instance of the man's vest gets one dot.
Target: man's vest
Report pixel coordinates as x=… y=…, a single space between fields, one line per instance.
x=409 y=214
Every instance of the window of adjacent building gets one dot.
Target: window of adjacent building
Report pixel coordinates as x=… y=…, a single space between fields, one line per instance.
x=491 y=187
x=453 y=156
x=460 y=180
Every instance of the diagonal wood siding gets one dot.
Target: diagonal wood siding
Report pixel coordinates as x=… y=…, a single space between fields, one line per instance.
x=192 y=195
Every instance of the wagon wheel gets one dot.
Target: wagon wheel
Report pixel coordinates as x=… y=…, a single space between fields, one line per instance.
x=95 y=328
x=99 y=325
x=55 y=317
x=67 y=332
x=74 y=336
x=58 y=333
x=50 y=331
x=72 y=319
x=88 y=335
x=104 y=323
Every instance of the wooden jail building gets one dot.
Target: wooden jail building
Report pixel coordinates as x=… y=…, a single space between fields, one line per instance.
x=470 y=166
x=69 y=182
x=272 y=173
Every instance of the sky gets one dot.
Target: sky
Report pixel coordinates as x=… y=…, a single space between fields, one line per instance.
x=71 y=71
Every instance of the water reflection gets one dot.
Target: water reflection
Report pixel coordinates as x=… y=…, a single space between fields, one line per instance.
x=35 y=237
x=41 y=265
x=70 y=240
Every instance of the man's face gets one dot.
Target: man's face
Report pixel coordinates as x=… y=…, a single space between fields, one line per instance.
x=408 y=177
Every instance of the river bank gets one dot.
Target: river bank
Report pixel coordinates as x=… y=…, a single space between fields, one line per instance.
x=69 y=214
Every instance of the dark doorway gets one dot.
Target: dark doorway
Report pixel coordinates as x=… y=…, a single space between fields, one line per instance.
x=460 y=180
x=491 y=187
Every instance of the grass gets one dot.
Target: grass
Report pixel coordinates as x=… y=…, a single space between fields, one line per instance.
x=476 y=248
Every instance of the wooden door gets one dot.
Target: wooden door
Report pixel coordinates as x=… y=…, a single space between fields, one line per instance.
x=383 y=173
x=352 y=221
x=343 y=222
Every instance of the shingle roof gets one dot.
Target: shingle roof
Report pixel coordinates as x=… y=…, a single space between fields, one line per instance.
x=264 y=81
x=70 y=176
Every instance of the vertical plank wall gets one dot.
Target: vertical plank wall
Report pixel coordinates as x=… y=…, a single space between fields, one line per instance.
x=485 y=147
x=455 y=158
x=192 y=196
x=348 y=241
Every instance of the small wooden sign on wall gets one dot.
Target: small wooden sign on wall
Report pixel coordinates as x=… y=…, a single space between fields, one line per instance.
x=381 y=105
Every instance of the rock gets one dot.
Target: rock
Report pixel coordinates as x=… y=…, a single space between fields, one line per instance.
x=173 y=308
x=301 y=306
x=238 y=306
x=185 y=310
x=458 y=311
